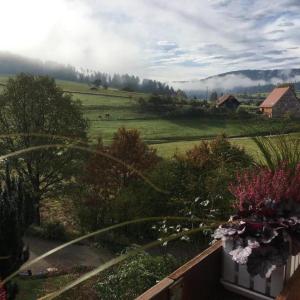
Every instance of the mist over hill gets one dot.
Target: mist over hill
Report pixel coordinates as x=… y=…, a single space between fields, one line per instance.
x=243 y=81
x=11 y=64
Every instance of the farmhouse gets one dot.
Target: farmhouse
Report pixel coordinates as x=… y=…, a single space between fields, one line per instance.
x=228 y=101
x=281 y=100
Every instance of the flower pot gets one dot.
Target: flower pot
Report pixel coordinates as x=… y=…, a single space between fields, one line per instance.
x=236 y=278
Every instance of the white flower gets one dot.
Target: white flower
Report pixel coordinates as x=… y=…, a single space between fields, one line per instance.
x=221 y=232
x=269 y=273
x=253 y=243
x=204 y=203
x=240 y=254
x=178 y=227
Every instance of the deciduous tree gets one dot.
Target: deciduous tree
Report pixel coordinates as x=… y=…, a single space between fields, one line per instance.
x=106 y=177
x=39 y=112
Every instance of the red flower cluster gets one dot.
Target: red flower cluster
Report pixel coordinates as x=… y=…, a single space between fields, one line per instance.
x=254 y=188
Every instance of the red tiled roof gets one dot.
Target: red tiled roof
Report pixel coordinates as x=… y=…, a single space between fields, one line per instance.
x=224 y=98
x=274 y=96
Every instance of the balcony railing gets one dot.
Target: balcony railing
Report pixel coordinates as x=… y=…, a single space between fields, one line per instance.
x=199 y=279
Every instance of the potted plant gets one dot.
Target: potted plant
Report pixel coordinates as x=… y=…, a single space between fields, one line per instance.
x=261 y=243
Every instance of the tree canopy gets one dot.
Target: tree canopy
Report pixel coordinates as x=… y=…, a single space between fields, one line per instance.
x=35 y=112
x=104 y=177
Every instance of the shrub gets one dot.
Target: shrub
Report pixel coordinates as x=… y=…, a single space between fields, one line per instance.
x=205 y=171
x=140 y=199
x=54 y=231
x=134 y=276
x=13 y=223
x=104 y=177
x=255 y=187
x=16 y=214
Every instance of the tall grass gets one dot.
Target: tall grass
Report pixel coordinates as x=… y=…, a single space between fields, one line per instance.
x=278 y=150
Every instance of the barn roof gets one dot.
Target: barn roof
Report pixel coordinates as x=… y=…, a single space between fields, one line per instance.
x=275 y=96
x=225 y=98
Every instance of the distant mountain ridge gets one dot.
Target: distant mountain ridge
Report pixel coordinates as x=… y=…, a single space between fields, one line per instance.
x=267 y=75
x=242 y=81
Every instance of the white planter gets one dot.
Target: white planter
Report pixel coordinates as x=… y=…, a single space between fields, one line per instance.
x=236 y=278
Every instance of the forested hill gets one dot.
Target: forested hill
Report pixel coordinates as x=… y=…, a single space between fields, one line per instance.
x=11 y=64
x=248 y=81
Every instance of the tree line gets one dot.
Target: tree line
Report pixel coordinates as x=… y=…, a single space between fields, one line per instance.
x=13 y=64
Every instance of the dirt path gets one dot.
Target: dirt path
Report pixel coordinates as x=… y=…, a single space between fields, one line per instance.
x=71 y=256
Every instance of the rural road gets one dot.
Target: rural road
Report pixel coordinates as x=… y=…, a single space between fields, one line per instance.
x=71 y=256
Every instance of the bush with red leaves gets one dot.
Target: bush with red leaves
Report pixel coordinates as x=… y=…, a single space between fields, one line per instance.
x=253 y=188
x=266 y=229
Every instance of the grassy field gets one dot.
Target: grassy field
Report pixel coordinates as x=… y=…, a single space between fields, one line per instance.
x=108 y=110
x=163 y=130
x=123 y=110
x=167 y=150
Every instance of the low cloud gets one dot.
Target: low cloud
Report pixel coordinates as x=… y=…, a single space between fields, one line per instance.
x=227 y=82
x=286 y=24
x=165 y=40
x=167 y=45
x=232 y=81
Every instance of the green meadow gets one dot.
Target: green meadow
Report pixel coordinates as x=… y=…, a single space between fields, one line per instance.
x=109 y=109
x=167 y=150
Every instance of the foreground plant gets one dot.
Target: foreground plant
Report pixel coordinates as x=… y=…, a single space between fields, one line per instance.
x=266 y=229
x=134 y=276
x=16 y=214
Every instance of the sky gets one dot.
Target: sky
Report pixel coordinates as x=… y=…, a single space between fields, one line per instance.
x=160 y=39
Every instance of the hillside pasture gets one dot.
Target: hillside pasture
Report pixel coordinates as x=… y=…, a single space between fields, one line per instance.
x=108 y=109
x=158 y=130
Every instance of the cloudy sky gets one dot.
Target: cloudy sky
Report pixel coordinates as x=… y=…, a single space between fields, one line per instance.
x=161 y=39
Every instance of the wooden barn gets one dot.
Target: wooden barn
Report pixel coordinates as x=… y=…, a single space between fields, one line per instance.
x=281 y=101
x=228 y=101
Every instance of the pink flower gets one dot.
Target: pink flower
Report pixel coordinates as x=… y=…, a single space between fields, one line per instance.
x=257 y=189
